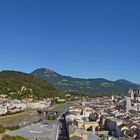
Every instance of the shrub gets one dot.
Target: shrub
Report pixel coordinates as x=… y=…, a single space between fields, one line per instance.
x=2 y=129
x=7 y=137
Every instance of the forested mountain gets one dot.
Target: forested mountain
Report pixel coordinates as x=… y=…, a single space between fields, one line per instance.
x=13 y=81
x=67 y=83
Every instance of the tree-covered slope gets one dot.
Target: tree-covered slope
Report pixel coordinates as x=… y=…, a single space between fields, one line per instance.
x=66 y=83
x=12 y=81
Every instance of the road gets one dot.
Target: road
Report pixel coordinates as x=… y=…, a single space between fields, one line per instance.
x=64 y=132
x=64 y=129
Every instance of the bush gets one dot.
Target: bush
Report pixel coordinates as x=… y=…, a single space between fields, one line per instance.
x=49 y=117
x=6 y=137
x=2 y=129
x=93 y=117
x=12 y=128
x=52 y=117
x=89 y=129
x=19 y=138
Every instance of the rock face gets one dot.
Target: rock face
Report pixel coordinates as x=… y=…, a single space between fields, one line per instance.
x=67 y=83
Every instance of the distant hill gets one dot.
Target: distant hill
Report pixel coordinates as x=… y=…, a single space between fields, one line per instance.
x=67 y=83
x=12 y=81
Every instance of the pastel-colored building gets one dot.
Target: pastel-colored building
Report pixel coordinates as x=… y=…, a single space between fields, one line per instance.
x=86 y=125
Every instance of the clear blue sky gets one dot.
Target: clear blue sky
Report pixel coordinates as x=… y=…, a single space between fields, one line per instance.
x=81 y=38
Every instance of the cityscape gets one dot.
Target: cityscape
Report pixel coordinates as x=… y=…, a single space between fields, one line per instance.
x=69 y=115
x=69 y=70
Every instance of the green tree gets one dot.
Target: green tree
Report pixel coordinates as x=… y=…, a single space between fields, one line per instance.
x=2 y=129
x=89 y=129
x=49 y=117
x=93 y=117
x=7 y=137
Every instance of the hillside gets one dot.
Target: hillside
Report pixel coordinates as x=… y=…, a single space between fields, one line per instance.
x=12 y=81
x=66 y=83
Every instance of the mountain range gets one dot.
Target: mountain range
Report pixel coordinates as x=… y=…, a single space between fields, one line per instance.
x=81 y=85
x=48 y=83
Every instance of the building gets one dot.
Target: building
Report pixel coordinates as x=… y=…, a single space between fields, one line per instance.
x=38 y=105
x=81 y=134
x=3 y=110
x=87 y=125
x=133 y=100
x=17 y=104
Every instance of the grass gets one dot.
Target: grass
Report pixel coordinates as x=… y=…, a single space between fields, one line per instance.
x=13 y=118
x=59 y=106
x=6 y=137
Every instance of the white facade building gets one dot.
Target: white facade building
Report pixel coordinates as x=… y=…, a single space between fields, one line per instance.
x=133 y=100
x=3 y=110
x=17 y=104
x=38 y=105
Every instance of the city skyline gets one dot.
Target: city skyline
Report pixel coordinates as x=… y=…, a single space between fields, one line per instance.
x=94 y=39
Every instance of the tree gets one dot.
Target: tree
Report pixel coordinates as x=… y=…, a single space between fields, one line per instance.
x=52 y=102
x=93 y=117
x=89 y=129
x=49 y=117
x=27 y=93
x=7 y=137
x=2 y=129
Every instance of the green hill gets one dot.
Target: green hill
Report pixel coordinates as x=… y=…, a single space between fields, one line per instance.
x=100 y=85
x=12 y=81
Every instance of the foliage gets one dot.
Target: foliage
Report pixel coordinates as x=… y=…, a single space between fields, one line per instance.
x=52 y=102
x=95 y=86
x=6 y=137
x=15 y=95
x=89 y=129
x=2 y=129
x=12 y=128
x=11 y=82
x=62 y=95
x=93 y=117
x=52 y=117
x=49 y=117
x=40 y=120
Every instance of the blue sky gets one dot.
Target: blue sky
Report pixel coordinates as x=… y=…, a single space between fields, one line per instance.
x=80 y=38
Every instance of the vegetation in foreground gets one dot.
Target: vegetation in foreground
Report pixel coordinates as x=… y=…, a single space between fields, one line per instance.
x=6 y=137
x=12 y=128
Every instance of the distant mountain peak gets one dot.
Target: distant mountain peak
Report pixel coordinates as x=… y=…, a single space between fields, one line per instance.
x=45 y=70
x=98 y=85
x=124 y=81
